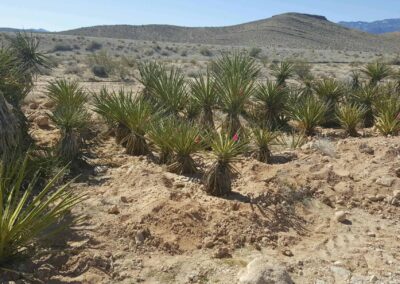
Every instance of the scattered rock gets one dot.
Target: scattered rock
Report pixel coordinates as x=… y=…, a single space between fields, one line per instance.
x=124 y=199
x=372 y=235
x=114 y=210
x=287 y=252
x=373 y=279
x=141 y=235
x=385 y=181
x=365 y=149
x=208 y=242
x=260 y=271
x=341 y=216
x=222 y=252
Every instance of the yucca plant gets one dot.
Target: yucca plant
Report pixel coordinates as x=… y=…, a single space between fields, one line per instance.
x=149 y=71
x=329 y=91
x=24 y=217
x=139 y=116
x=355 y=80
x=225 y=150
x=10 y=133
x=388 y=117
x=112 y=107
x=308 y=113
x=72 y=122
x=282 y=72
x=376 y=72
x=350 y=116
x=204 y=93
x=366 y=97
x=292 y=140
x=63 y=92
x=263 y=139
x=169 y=90
x=160 y=135
x=185 y=141
x=271 y=100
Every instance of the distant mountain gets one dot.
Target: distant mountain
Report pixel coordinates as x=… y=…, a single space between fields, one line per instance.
x=290 y=30
x=377 y=27
x=19 y=30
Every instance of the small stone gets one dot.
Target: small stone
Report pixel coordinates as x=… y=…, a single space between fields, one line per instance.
x=124 y=199
x=385 y=181
x=287 y=252
x=114 y=210
x=42 y=121
x=373 y=279
x=365 y=149
x=139 y=238
x=222 y=252
x=179 y=185
x=208 y=242
x=396 y=194
x=372 y=235
x=341 y=216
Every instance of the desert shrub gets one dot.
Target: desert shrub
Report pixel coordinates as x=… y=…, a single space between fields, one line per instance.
x=184 y=53
x=308 y=113
x=99 y=71
x=205 y=51
x=263 y=139
x=185 y=141
x=103 y=65
x=302 y=69
x=26 y=217
x=225 y=150
x=94 y=46
x=255 y=52
x=62 y=47
x=73 y=69
x=350 y=116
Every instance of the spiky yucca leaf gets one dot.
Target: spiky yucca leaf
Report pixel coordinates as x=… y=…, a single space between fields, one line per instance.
x=225 y=149
x=66 y=93
x=263 y=139
x=366 y=97
x=376 y=72
x=282 y=72
x=186 y=140
x=149 y=71
x=308 y=113
x=350 y=116
x=388 y=117
x=330 y=91
x=160 y=134
x=204 y=93
x=139 y=116
x=271 y=100
x=71 y=121
x=24 y=218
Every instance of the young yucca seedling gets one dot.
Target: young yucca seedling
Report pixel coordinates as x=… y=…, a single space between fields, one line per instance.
x=112 y=107
x=185 y=141
x=139 y=116
x=282 y=72
x=376 y=72
x=308 y=113
x=271 y=101
x=25 y=217
x=204 y=93
x=72 y=122
x=160 y=135
x=169 y=91
x=225 y=149
x=349 y=117
x=330 y=92
x=66 y=93
x=388 y=118
x=263 y=139
x=367 y=97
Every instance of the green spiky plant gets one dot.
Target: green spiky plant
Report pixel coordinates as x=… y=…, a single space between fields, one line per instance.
x=139 y=116
x=308 y=113
x=72 y=122
x=263 y=139
x=62 y=92
x=376 y=72
x=112 y=107
x=185 y=141
x=160 y=135
x=169 y=90
x=388 y=116
x=25 y=217
x=282 y=72
x=355 y=80
x=225 y=150
x=204 y=93
x=329 y=91
x=10 y=134
x=271 y=101
x=232 y=64
x=350 y=116
x=366 y=97
x=149 y=71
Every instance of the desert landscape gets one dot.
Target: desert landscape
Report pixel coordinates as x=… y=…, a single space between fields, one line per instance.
x=265 y=152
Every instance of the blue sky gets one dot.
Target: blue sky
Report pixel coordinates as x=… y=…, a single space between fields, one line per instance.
x=56 y=15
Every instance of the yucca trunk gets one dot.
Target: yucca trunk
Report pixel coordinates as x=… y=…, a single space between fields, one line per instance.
x=218 y=180
x=70 y=145
x=183 y=165
x=121 y=132
x=136 y=145
x=264 y=155
x=207 y=118
x=10 y=128
x=369 y=118
x=165 y=157
x=232 y=124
